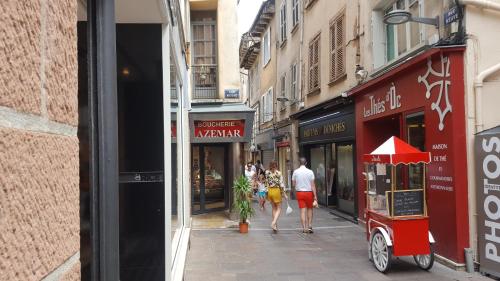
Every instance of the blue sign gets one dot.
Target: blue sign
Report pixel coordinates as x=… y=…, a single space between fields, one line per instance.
x=232 y=93
x=451 y=15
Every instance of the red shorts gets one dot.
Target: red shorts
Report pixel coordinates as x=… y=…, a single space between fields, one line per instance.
x=305 y=199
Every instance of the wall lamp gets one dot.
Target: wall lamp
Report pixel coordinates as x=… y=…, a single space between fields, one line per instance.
x=285 y=99
x=402 y=16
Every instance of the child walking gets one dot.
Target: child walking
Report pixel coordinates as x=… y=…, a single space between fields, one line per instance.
x=262 y=191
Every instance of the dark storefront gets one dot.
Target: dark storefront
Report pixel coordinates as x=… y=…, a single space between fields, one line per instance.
x=217 y=136
x=422 y=102
x=327 y=140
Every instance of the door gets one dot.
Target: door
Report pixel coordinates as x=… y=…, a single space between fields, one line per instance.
x=345 y=177
x=209 y=178
x=317 y=159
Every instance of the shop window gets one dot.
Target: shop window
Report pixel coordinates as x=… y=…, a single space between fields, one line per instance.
x=337 y=47
x=314 y=70
x=283 y=22
x=415 y=133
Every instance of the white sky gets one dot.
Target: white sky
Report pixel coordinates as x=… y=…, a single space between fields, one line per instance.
x=247 y=10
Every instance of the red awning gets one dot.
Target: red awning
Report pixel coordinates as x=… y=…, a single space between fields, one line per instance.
x=395 y=151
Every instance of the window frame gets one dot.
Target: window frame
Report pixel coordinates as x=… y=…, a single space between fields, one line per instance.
x=315 y=40
x=293 y=82
x=266 y=50
x=334 y=50
x=283 y=91
x=407 y=31
x=283 y=24
x=295 y=14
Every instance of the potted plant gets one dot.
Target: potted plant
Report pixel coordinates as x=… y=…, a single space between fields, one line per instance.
x=242 y=202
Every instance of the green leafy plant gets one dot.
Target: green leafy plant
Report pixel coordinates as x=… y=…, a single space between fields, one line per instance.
x=242 y=202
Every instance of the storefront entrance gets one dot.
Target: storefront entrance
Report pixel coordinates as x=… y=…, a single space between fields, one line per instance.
x=209 y=178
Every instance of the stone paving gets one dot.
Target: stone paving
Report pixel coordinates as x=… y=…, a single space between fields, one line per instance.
x=336 y=251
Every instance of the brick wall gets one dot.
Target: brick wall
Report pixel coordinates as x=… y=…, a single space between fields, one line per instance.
x=39 y=164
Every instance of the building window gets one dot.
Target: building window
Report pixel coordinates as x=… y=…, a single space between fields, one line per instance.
x=293 y=82
x=266 y=54
x=295 y=12
x=283 y=22
x=256 y=121
x=314 y=71
x=267 y=106
x=337 y=47
x=403 y=37
x=283 y=91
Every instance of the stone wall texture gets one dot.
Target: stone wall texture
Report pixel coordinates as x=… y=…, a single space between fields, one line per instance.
x=62 y=61
x=39 y=196
x=20 y=60
x=39 y=172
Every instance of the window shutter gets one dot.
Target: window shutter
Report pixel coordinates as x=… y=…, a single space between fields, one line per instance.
x=333 y=57
x=340 y=25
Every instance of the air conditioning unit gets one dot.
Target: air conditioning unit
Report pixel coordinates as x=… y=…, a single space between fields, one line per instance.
x=301 y=104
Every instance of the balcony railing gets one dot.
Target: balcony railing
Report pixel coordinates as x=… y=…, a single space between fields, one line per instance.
x=204 y=81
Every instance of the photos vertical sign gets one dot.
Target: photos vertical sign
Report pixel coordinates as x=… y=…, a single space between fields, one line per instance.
x=487 y=150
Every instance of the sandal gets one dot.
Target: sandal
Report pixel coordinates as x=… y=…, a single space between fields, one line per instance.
x=310 y=230
x=274 y=227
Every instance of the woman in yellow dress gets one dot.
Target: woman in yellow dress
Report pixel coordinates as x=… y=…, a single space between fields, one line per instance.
x=275 y=189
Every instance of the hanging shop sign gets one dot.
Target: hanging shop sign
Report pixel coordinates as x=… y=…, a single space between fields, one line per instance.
x=330 y=129
x=219 y=128
x=487 y=150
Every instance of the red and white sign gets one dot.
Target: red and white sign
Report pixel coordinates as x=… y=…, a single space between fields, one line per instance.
x=219 y=128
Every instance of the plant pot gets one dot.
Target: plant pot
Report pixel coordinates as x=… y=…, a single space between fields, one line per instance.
x=243 y=227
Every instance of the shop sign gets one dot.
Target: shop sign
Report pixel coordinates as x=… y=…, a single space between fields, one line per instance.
x=328 y=130
x=378 y=105
x=283 y=144
x=232 y=93
x=487 y=149
x=219 y=128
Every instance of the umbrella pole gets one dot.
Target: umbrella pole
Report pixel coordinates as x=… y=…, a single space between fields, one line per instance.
x=393 y=179
x=424 y=187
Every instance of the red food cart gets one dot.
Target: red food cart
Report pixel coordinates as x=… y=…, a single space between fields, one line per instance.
x=396 y=210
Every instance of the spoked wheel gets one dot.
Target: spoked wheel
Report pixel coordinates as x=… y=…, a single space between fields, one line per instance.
x=381 y=253
x=425 y=262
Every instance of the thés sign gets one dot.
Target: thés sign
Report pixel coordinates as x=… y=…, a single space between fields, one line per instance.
x=219 y=128
x=378 y=105
x=487 y=150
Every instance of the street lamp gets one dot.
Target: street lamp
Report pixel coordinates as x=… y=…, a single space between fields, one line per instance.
x=402 y=16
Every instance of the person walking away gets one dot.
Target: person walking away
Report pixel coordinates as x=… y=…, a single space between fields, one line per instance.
x=303 y=180
x=261 y=191
x=275 y=190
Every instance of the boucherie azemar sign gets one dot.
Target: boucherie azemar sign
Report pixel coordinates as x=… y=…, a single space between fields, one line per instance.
x=487 y=150
x=219 y=128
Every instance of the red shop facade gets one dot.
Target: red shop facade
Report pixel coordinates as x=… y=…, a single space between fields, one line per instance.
x=422 y=102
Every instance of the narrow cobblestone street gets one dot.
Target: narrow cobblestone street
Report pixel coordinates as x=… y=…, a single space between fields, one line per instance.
x=336 y=251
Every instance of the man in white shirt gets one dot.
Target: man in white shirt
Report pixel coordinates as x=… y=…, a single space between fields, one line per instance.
x=303 y=180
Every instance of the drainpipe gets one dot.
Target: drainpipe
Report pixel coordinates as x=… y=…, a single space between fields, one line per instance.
x=478 y=89
x=478 y=81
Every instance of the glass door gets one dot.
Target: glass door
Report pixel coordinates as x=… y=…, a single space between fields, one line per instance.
x=208 y=178
x=345 y=177
x=317 y=157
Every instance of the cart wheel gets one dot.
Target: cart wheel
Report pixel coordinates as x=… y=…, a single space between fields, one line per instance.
x=425 y=262
x=381 y=253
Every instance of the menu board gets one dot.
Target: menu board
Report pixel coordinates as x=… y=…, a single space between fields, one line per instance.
x=406 y=202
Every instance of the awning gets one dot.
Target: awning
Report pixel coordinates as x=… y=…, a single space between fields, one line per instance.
x=221 y=123
x=395 y=151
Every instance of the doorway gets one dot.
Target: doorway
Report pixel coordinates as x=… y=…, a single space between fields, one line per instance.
x=141 y=152
x=209 y=178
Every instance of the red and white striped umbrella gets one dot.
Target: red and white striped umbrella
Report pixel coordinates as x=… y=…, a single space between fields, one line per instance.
x=395 y=151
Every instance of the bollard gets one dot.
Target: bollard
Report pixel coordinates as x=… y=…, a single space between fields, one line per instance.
x=469 y=260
